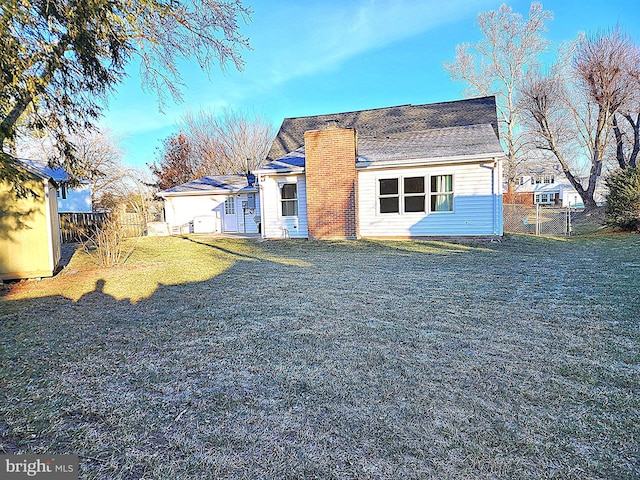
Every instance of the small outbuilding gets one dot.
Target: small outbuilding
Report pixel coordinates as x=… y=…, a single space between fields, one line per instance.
x=29 y=227
x=216 y=204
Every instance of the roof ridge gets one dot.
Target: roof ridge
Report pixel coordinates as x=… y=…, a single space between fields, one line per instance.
x=389 y=107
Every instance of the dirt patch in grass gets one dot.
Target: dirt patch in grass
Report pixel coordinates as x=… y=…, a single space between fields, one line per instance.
x=334 y=360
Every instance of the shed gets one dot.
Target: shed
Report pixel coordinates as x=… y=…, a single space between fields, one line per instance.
x=29 y=227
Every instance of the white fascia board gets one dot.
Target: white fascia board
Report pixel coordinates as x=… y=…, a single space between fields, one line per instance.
x=428 y=162
x=288 y=171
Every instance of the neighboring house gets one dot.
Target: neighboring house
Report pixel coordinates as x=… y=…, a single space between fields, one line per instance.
x=406 y=172
x=551 y=188
x=29 y=227
x=226 y=203
x=75 y=199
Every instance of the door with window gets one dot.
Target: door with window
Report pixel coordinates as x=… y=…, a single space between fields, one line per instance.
x=230 y=218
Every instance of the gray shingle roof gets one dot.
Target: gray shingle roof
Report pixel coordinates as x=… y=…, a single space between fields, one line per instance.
x=388 y=121
x=469 y=140
x=475 y=141
x=216 y=184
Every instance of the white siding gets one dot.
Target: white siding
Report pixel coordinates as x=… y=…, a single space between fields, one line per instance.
x=274 y=224
x=251 y=217
x=476 y=205
x=181 y=210
x=78 y=199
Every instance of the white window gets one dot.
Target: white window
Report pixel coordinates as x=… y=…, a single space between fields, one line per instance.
x=442 y=193
x=544 y=198
x=545 y=179
x=414 y=194
x=230 y=206
x=409 y=194
x=389 y=195
x=289 y=199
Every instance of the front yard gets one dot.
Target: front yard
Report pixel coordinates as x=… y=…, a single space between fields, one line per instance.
x=228 y=358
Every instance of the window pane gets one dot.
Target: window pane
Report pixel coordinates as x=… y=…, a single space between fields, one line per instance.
x=229 y=206
x=442 y=203
x=389 y=205
x=414 y=185
x=442 y=183
x=289 y=191
x=414 y=204
x=389 y=186
x=289 y=208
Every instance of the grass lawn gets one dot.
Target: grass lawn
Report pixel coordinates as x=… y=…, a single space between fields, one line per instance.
x=227 y=358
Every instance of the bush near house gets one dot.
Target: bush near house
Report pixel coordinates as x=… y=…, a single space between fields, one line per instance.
x=223 y=358
x=623 y=202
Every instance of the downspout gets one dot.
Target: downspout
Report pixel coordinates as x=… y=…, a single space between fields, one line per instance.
x=494 y=197
x=263 y=229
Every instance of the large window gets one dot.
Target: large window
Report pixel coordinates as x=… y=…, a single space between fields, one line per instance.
x=409 y=194
x=289 y=199
x=442 y=193
x=545 y=198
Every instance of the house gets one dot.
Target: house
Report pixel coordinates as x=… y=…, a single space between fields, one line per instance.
x=409 y=171
x=76 y=199
x=226 y=203
x=29 y=227
x=550 y=187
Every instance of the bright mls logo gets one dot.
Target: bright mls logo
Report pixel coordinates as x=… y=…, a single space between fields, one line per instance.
x=50 y=467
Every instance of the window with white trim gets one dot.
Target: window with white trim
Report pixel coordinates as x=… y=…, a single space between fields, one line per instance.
x=389 y=195
x=229 y=206
x=289 y=199
x=545 y=179
x=545 y=198
x=442 y=193
x=414 y=194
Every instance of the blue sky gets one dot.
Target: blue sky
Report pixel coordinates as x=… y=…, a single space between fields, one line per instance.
x=312 y=57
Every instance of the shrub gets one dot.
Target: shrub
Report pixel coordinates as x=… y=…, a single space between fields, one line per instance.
x=623 y=201
x=107 y=242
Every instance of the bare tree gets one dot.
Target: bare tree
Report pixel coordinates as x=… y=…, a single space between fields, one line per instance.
x=562 y=117
x=232 y=142
x=497 y=65
x=59 y=60
x=98 y=158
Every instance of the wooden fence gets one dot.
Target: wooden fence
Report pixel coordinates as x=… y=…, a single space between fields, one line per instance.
x=77 y=227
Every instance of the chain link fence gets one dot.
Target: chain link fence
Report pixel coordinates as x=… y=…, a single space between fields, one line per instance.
x=537 y=220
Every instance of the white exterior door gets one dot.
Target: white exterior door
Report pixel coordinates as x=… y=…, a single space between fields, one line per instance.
x=230 y=219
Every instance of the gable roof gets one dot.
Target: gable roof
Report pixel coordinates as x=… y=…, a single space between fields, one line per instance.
x=431 y=146
x=383 y=122
x=56 y=173
x=36 y=172
x=438 y=145
x=219 y=184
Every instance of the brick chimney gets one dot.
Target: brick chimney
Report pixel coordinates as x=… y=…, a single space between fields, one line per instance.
x=330 y=168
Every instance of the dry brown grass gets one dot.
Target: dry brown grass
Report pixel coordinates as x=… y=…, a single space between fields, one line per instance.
x=336 y=360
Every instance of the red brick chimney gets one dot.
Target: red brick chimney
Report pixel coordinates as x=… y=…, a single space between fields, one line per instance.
x=330 y=168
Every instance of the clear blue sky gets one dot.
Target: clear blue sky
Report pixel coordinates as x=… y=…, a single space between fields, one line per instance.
x=312 y=57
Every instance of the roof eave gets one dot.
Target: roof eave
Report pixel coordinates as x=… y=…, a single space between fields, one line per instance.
x=413 y=162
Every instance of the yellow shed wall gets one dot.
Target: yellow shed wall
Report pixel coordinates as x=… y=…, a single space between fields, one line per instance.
x=27 y=245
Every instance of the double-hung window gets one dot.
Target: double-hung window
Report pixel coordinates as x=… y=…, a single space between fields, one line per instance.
x=409 y=194
x=289 y=199
x=442 y=193
x=413 y=189
x=401 y=195
x=389 y=195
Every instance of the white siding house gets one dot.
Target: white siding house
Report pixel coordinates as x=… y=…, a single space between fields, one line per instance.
x=75 y=199
x=406 y=183
x=550 y=187
x=475 y=204
x=217 y=204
